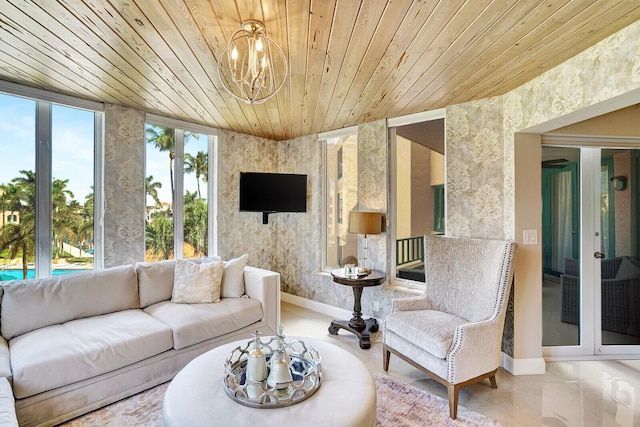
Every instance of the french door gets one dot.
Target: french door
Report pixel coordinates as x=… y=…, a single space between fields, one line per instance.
x=591 y=260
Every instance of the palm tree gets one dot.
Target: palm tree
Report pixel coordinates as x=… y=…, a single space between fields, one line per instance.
x=27 y=187
x=18 y=237
x=159 y=235
x=195 y=223
x=152 y=187
x=198 y=164
x=66 y=215
x=163 y=139
x=3 y=202
x=88 y=205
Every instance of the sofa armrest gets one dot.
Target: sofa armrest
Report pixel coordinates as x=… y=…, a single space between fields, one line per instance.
x=8 y=416
x=5 y=360
x=418 y=302
x=264 y=285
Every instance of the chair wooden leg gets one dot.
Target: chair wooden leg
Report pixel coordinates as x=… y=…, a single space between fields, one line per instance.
x=492 y=379
x=452 y=391
x=386 y=354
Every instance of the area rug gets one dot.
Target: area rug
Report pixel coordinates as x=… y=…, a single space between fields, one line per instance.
x=399 y=405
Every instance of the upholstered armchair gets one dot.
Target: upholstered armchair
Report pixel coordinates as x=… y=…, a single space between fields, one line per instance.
x=453 y=332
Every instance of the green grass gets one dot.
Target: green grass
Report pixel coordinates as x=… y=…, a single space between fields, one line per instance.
x=79 y=260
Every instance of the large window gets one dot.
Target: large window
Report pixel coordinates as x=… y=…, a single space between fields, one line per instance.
x=48 y=146
x=179 y=222
x=341 y=192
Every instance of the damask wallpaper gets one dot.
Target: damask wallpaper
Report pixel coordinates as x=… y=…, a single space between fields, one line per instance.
x=474 y=165
x=243 y=232
x=125 y=212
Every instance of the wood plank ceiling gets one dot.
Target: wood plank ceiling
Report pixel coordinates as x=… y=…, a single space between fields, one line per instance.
x=350 y=61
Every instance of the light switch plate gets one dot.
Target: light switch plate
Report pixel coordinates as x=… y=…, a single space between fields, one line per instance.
x=530 y=237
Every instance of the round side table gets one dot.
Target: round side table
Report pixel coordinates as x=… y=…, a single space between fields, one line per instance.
x=363 y=328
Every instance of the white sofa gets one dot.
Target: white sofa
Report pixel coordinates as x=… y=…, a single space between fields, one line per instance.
x=73 y=343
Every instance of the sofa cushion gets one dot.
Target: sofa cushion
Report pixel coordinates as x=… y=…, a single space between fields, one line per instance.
x=31 y=304
x=428 y=329
x=194 y=323
x=233 y=278
x=155 y=280
x=197 y=283
x=58 y=355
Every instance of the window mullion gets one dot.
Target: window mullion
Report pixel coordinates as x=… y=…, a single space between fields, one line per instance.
x=178 y=203
x=98 y=191
x=211 y=193
x=44 y=204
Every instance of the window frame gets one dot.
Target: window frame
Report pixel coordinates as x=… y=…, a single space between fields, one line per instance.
x=392 y=124
x=179 y=127
x=44 y=100
x=322 y=140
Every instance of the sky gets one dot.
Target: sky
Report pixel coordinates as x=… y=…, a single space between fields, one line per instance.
x=72 y=142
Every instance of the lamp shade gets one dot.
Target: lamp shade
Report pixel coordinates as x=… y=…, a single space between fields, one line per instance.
x=365 y=222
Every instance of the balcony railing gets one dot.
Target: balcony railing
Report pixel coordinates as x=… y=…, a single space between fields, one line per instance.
x=409 y=250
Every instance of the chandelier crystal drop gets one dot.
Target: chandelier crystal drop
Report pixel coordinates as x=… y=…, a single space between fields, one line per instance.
x=252 y=67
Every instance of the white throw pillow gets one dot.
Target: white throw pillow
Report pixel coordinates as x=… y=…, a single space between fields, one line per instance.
x=233 y=278
x=197 y=283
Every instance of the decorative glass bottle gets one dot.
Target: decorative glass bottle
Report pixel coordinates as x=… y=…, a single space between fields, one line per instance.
x=280 y=375
x=256 y=368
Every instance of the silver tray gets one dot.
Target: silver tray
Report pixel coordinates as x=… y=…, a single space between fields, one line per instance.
x=304 y=366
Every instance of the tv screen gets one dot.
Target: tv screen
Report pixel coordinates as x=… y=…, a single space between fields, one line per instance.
x=273 y=192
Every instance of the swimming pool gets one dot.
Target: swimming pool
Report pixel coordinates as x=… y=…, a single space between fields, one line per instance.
x=17 y=274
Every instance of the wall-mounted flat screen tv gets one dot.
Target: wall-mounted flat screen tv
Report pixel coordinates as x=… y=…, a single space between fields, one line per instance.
x=273 y=192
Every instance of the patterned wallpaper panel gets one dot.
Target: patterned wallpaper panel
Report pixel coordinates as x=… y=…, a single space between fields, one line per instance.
x=474 y=157
x=243 y=232
x=373 y=185
x=124 y=217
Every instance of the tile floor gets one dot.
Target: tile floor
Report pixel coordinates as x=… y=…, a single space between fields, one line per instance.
x=585 y=394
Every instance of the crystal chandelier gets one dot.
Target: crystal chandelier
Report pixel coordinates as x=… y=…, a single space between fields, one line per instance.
x=252 y=67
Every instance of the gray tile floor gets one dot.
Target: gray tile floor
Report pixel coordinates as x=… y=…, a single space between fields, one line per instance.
x=585 y=393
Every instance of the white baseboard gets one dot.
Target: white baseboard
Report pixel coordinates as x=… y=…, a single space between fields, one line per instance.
x=329 y=310
x=531 y=366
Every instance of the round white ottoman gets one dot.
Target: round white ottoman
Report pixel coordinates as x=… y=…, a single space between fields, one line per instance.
x=346 y=397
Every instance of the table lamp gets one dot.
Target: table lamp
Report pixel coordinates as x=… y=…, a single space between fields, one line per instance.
x=365 y=223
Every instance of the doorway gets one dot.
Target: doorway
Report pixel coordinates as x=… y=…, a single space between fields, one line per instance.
x=590 y=238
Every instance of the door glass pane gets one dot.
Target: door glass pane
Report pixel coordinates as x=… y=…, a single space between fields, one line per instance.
x=160 y=191
x=72 y=151
x=195 y=194
x=17 y=187
x=620 y=267
x=560 y=247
